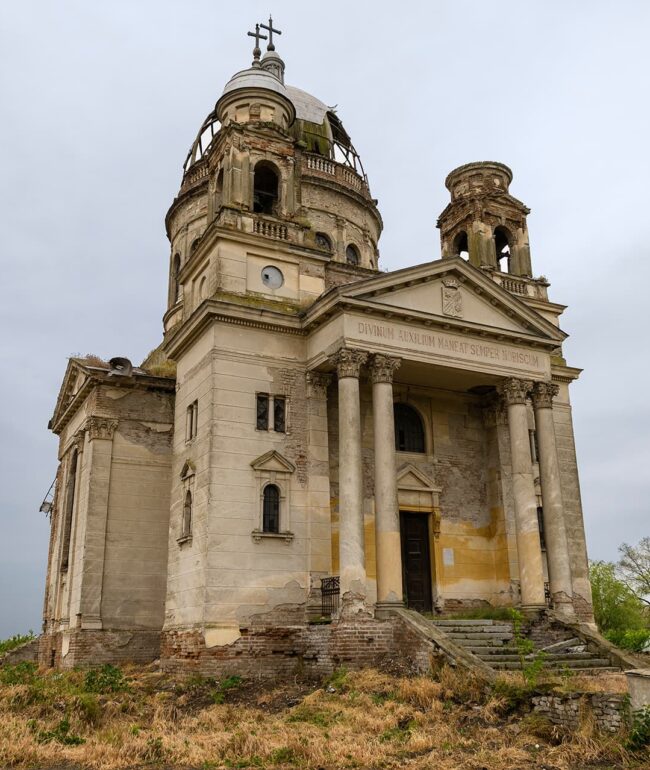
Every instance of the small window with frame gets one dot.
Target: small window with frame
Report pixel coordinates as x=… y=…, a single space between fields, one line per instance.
x=271 y=509
x=191 y=424
x=271 y=412
x=262 y=411
x=279 y=414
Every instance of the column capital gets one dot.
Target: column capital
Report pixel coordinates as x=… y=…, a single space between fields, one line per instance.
x=543 y=394
x=383 y=367
x=514 y=391
x=100 y=427
x=348 y=362
x=317 y=383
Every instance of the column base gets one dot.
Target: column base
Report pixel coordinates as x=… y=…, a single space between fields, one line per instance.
x=385 y=609
x=533 y=611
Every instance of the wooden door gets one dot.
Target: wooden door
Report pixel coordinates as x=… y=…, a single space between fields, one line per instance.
x=416 y=560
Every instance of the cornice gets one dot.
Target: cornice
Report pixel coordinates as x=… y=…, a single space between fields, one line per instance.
x=565 y=373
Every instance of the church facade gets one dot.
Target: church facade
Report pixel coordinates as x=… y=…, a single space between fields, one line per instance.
x=315 y=440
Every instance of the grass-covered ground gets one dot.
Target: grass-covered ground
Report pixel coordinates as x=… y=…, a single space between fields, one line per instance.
x=108 y=718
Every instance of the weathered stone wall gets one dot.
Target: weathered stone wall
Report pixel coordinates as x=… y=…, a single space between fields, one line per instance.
x=26 y=652
x=608 y=710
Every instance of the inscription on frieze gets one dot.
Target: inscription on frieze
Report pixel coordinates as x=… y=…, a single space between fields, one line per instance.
x=450 y=345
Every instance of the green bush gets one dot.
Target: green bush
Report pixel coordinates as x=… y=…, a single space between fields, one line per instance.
x=635 y=640
x=639 y=737
x=6 y=645
x=105 y=680
x=616 y=607
x=20 y=673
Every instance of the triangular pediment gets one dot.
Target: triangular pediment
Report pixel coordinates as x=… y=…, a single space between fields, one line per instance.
x=410 y=477
x=75 y=378
x=455 y=292
x=273 y=461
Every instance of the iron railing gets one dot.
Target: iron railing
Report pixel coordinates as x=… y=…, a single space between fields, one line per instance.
x=330 y=590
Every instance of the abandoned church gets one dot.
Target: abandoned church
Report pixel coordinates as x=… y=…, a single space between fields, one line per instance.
x=320 y=458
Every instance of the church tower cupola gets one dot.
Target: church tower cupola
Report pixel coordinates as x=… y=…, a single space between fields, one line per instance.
x=483 y=222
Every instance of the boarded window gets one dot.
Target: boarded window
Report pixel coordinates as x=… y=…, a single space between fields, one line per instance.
x=192 y=421
x=271 y=509
x=409 y=430
x=186 y=528
x=279 y=414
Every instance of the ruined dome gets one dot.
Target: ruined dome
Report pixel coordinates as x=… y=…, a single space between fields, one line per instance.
x=315 y=125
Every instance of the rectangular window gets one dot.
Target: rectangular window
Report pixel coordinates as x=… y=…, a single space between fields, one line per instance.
x=534 y=448
x=262 y=411
x=191 y=424
x=279 y=414
x=540 y=524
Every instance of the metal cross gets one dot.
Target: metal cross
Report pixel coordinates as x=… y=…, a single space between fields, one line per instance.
x=257 y=35
x=270 y=30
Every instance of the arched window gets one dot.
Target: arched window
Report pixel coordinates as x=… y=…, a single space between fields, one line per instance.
x=502 y=248
x=323 y=241
x=409 y=430
x=194 y=245
x=271 y=509
x=352 y=255
x=69 y=508
x=177 y=293
x=186 y=526
x=265 y=188
x=460 y=247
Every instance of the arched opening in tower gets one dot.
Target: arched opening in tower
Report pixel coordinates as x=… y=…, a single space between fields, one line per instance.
x=502 y=247
x=265 y=189
x=461 y=246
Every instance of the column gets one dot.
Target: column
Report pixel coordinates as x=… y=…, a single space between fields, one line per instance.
x=100 y=453
x=529 y=551
x=557 y=549
x=388 y=546
x=352 y=564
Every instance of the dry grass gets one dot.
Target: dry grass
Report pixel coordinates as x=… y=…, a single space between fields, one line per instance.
x=370 y=720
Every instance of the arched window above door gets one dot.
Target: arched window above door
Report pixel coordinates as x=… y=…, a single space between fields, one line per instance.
x=409 y=429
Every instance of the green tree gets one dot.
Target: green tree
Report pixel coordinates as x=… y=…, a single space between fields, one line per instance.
x=616 y=606
x=634 y=568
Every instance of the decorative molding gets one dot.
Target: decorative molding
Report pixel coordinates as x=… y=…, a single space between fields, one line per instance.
x=543 y=394
x=348 y=362
x=514 y=390
x=383 y=367
x=273 y=462
x=317 y=384
x=258 y=535
x=452 y=299
x=100 y=428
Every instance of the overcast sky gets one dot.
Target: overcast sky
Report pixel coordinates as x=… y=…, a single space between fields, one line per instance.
x=99 y=103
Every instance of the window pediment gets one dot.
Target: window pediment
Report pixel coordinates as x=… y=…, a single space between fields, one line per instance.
x=410 y=477
x=273 y=462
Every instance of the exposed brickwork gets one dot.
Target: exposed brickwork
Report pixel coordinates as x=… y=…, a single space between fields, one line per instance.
x=315 y=650
x=92 y=648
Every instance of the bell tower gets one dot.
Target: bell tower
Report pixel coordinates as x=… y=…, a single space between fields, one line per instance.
x=483 y=222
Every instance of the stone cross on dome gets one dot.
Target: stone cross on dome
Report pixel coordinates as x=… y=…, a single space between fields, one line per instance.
x=257 y=51
x=270 y=30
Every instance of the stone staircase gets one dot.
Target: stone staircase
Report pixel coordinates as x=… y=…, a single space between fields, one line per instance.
x=493 y=641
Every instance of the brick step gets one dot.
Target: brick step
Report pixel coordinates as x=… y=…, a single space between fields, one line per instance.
x=501 y=629
x=599 y=663
x=469 y=635
x=462 y=622
x=497 y=656
x=497 y=643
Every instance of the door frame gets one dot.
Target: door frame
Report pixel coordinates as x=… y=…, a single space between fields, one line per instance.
x=417 y=494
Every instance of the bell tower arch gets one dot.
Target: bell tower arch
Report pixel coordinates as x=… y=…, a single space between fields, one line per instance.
x=483 y=222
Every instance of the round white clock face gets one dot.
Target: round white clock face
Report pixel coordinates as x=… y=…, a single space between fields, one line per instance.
x=272 y=277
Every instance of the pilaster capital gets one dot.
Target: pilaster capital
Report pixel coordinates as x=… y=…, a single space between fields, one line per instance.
x=348 y=362
x=543 y=394
x=383 y=367
x=78 y=440
x=317 y=384
x=514 y=391
x=100 y=427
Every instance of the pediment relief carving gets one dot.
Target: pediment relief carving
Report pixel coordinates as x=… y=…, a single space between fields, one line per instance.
x=410 y=477
x=273 y=462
